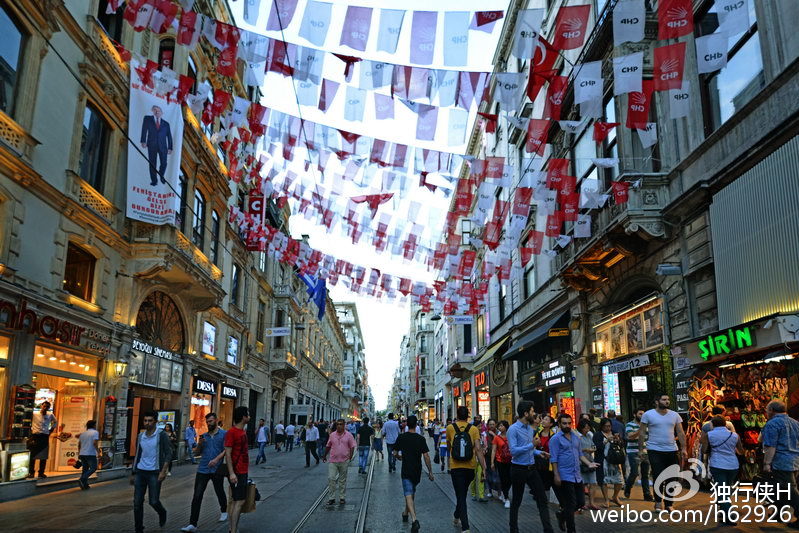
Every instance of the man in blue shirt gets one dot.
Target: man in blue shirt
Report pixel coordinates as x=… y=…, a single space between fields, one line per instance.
x=565 y=453
x=523 y=469
x=212 y=451
x=391 y=431
x=781 y=454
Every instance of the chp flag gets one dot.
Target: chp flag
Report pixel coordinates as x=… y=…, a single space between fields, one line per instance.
x=155 y=125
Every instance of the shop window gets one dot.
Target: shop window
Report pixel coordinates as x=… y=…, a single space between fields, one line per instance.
x=79 y=272
x=180 y=217
x=260 y=326
x=467 y=339
x=64 y=361
x=166 y=53
x=159 y=322
x=5 y=344
x=235 y=284
x=93 y=148
x=11 y=57
x=215 y=226
x=110 y=22
x=198 y=220
x=725 y=91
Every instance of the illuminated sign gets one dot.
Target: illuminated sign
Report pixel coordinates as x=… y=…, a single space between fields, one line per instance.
x=553 y=374
x=203 y=386
x=480 y=379
x=558 y=332
x=467 y=386
x=456 y=391
x=727 y=342
x=229 y=392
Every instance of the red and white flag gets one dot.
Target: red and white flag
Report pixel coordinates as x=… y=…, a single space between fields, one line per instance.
x=189 y=29
x=668 y=66
x=620 y=191
x=602 y=129
x=556 y=93
x=638 y=106
x=675 y=18
x=570 y=27
x=554 y=223
x=329 y=89
x=537 y=132
x=163 y=16
x=355 y=31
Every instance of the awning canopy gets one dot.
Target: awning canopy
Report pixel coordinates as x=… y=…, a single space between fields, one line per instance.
x=490 y=353
x=534 y=337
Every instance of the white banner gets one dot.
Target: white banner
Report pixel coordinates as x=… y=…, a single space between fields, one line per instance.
x=525 y=35
x=628 y=21
x=733 y=16
x=459 y=319
x=456 y=38
x=627 y=73
x=680 y=100
x=582 y=228
x=588 y=82
x=277 y=332
x=509 y=89
x=156 y=125
x=648 y=135
x=711 y=52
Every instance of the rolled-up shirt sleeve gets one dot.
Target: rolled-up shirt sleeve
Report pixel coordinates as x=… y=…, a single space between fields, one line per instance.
x=554 y=450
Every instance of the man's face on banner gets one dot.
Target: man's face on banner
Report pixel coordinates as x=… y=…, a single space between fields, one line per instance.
x=157 y=112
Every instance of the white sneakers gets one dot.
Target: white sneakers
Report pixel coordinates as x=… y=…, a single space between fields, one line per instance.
x=223 y=517
x=507 y=504
x=189 y=529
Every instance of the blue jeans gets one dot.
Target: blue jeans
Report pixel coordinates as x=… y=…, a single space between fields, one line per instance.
x=89 y=467
x=190 y=452
x=144 y=481
x=725 y=478
x=635 y=461
x=261 y=453
x=392 y=462
x=363 y=457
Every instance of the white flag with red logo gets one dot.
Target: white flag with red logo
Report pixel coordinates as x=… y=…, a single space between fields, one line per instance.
x=525 y=35
x=675 y=18
x=628 y=21
x=628 y=73
x=570 y=27
x=669 y=65
x=355 y=31
x=711 y=52
x=680 y=101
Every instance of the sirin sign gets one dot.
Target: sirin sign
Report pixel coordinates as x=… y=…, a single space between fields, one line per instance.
x=724 y=343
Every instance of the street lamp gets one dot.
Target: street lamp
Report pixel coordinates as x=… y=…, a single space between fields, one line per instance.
x=119 y=368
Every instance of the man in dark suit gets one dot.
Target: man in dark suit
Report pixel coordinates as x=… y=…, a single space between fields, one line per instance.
x=157 y=138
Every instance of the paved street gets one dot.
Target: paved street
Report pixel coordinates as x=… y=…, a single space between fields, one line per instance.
x=289 y=492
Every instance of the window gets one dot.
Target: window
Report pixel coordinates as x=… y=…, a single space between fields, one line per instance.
x=501 y=295
x=180 y=216
x=481 y=331
x=467 y=339
x=260 y=326
x=166 y=53
x=423 y=344
x=279 y=323
x=10 y=59
x=110 y=22
x=198 y=220
x=262 y=261
x=725 y=91
x=235 y=283
x=93 y=145
x=214 y=237
x=423 y=364
x=79 y=272
x=529 y=280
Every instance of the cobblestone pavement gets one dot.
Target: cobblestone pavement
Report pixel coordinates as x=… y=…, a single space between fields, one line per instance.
x=289 y=492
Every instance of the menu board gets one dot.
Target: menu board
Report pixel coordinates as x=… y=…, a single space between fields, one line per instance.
x=19 y=465
x=75 y=411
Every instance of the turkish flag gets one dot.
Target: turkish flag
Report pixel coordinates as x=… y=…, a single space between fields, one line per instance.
x=554 y=223
x=601 y=130
x=556 y=93
x=537 y=132
x=570 y=27
x=668 y=66
x=638 y=106
x=620 y=192
x=675 y=19
x=541 y=67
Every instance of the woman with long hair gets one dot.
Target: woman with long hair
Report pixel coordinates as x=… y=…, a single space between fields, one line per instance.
x=607 y=474
x=545 y=432
x=173 y=440
x=500 y=461
x=377 y=443
x=586 y=472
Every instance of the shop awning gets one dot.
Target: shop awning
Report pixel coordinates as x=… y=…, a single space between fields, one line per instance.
x=534 y=337
x=490 y=353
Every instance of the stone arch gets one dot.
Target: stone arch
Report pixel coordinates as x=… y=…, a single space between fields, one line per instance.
x=165 y=317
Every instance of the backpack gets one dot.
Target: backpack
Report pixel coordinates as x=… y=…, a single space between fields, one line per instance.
x=462 y=446
x=503 y=452
x=615 y=455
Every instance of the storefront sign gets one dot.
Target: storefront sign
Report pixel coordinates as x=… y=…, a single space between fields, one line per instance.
x=597 y=397
x=480 y=379
x=724 y=343
x=204 y=387
x=639 y=384
x=681 y=387
x=149 y=349
x=278 y=332
x=628 y=364
x=553 y=374
x=634 y=330
x=612 y=396
x=467 y=387
x=229 y=392
x=456 y=391
x=483 y=396
x=459 y=319
x=558 y=332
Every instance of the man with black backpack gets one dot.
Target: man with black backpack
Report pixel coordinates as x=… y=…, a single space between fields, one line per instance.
x=523 y=470
x=465 y=451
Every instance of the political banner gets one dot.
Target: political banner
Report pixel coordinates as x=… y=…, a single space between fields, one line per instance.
x=156 y=127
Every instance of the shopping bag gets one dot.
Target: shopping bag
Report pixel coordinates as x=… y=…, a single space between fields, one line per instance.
x=252 y=496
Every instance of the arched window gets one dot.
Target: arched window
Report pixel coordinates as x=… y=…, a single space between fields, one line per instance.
x=166 y=54
x=10 y=60
x=159 y=322
x=180 y=217
x=198 y=220
x=215 y=227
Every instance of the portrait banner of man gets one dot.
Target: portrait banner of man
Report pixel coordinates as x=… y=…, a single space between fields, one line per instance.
x=155 y=129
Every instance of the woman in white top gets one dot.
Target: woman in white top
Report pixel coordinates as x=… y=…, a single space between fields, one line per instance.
x=722 y=445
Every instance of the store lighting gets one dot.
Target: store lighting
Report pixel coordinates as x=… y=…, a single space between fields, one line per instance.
x=73 y=363
x=52 y=358
x=39 y=355
x=119 y=368
x=62 y=360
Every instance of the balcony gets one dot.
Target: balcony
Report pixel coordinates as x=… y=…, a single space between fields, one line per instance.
x=16 y=138
x=460 y=365
x=283 y=364
x=282 y=290
x=617 y=231
x=165 y=255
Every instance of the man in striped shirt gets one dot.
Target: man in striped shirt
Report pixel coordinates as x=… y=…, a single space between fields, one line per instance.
x=636 y=457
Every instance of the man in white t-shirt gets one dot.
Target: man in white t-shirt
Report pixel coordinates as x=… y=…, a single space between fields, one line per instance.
x=659 y=427
x=88 y=451
x=280 y=435
x=290 y=437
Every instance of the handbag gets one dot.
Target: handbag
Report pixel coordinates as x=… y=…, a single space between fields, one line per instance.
x=437 y=457
x=585 y=469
